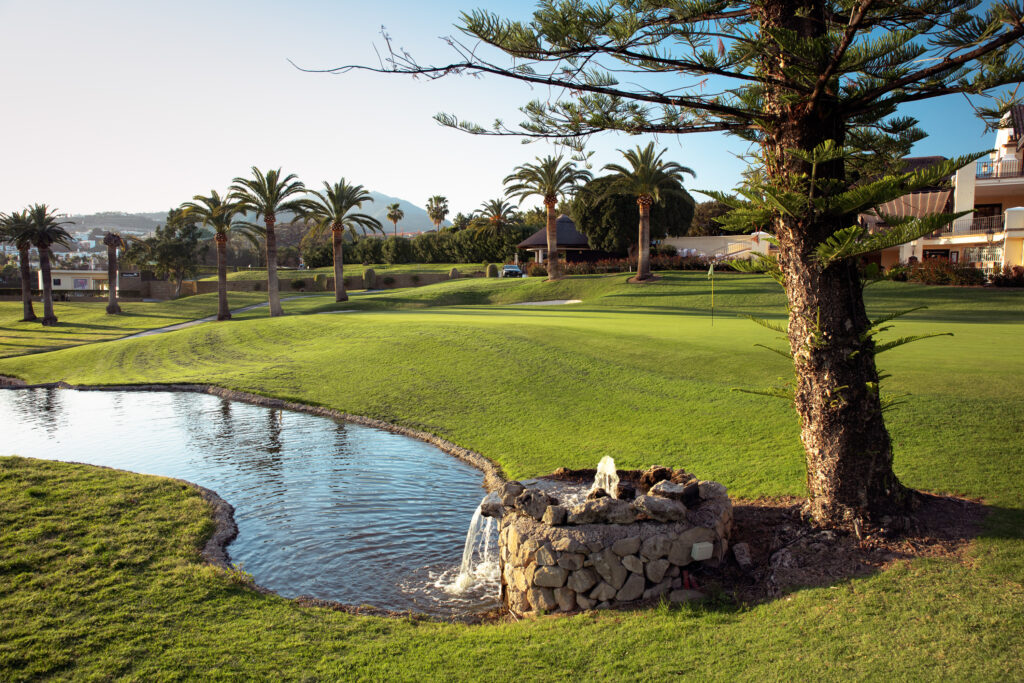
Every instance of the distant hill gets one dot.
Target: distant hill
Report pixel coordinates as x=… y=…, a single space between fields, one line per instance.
x=415 y=220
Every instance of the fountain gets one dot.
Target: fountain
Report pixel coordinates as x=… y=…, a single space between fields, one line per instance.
x=607 y=477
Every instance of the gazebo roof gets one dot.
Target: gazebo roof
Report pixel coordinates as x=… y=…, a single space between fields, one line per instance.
x=568 y=236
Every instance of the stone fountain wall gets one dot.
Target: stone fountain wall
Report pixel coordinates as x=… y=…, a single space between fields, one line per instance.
x=607 y=552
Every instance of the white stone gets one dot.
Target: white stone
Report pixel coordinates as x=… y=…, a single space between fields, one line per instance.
x=702 y=550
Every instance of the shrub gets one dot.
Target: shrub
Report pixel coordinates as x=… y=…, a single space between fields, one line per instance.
x=388 y=280
x=943 y=272
x=321 y=282
x=664 y=250
x=318 y=255
x=1010 y=277
x=536 y=270
x=298 y=284
x=453 y=274
x=492 y=270
x=369 y=279
x=397 y=250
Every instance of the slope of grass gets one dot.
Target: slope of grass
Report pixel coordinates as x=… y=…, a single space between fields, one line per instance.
x=94 y=585
x=260 y=274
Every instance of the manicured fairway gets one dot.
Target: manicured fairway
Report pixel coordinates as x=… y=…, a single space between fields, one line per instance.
x=637 y=372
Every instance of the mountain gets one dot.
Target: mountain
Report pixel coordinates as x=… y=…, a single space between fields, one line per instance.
x=415 y=220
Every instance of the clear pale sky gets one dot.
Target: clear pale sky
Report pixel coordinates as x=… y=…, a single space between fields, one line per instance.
x=136 y=106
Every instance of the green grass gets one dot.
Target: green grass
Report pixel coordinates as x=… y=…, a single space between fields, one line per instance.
x=637 y=372
x=260 y=274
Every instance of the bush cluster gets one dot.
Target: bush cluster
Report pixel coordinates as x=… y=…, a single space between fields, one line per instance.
x=938 y=272
x=472 y=245
x=1010 y=277
x=625 y=265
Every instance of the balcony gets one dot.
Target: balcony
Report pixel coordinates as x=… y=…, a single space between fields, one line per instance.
x=972 y=225
x=1004 y=168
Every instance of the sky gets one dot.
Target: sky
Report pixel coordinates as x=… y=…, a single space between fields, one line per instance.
x=121 y=105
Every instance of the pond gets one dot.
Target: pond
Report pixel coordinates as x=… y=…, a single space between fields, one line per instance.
x=325 y=508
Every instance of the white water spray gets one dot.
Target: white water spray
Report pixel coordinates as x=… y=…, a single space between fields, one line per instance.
x=607 y=477
x=479 y=555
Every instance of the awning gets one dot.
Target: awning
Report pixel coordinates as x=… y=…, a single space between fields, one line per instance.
x=916 y=204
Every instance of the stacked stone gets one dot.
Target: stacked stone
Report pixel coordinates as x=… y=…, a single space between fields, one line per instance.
x=606 y=552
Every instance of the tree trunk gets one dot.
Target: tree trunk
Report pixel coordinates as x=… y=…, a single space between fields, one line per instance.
x=112 y=305
x=643 y=264
x=554 y=267
x=847 y=448
x=28 y=314
x=273 y=297
x=44 y=267
x=223 y=312
x=339 y=263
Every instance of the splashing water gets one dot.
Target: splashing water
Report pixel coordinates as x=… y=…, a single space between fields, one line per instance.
x=479 y=556
x=607 y=477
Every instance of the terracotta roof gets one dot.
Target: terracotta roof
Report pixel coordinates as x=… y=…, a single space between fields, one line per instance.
x=568 y=236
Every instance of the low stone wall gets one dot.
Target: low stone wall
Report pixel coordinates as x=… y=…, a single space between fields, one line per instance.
x=607 y=552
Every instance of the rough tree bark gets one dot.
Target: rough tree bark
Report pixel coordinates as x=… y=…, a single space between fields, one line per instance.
x=339 y=263
x=112 y=241
x=273 y=297
x=27 y=313
x=643 y=267
x=848 y=451
x=44 y=267
x=223 y=312
x=554 y=267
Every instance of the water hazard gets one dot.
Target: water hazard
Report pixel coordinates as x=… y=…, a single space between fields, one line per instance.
x=324 y=508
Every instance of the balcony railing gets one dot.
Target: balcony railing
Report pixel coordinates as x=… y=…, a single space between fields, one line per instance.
x=1004 y=168
x=973 y=225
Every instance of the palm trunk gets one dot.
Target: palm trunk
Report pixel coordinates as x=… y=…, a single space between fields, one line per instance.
x=223 y=312
x=339 y=263
x=643 y=264
x=554 y=267
x=112 y=305
x=849 y=455
x=44 y=267
x=273 y=297
x=28 y=314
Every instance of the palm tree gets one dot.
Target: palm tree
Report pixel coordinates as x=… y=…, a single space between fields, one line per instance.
x=395 y=214
x=549 y=179
x=267 y=195
x=498 y=213
x=647 y=176
x=331 y=209
x=220 y=213
x=44 y=230
x=113 y=241
x=437 y=209
x=12 y=230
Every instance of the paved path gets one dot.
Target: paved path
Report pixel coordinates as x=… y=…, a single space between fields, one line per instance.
x=200 y=321
x=549 y=302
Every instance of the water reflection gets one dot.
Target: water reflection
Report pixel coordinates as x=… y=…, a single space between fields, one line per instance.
x=325 y=508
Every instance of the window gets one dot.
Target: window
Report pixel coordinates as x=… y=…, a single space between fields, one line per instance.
x=56 y=281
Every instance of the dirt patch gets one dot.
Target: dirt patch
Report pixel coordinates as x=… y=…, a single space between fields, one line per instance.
x=788 y=553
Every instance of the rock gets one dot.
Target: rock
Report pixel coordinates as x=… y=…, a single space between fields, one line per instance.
x=570 y=561
x=550 y=577
x=533 y=503
x=595 y=546
x=546 y=556
x=657 y=590
x=656 y=570
x=609 y=566
x=655 y=547
x=702 y=550
x=685 y=595
x=555 y=515
x=783 y=559
x=711 y=489
x=594 y=494
x=509 y=491
x=603 y=592
x=697 y=534
x=491 y=506
x=543 y=598
x=666 y=489
x=604 y=605
x=633 y=564
x=660 y=509
x=653 y=475
x=583 y=602
x=528 y=552
x=673 y=571
x=632 y=589
x=681 y=552
x=625 y=491
x=626 y=546
x=566 y=599
x=512 y=541
x=568 y=545
x=582 y=580
x=682 y=477
x=691 y=493
x=602 y=510
x=518 y=602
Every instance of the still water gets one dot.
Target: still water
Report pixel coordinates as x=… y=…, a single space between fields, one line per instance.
x=324 y=508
